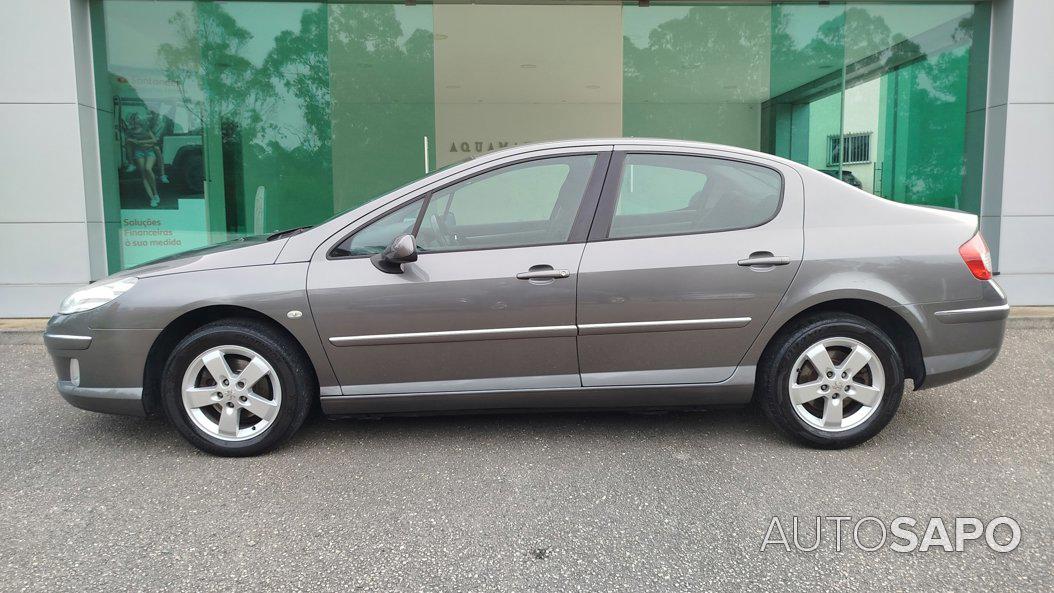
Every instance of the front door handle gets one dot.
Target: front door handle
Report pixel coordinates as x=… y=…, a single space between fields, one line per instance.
x=543 y=273
x=764 y=259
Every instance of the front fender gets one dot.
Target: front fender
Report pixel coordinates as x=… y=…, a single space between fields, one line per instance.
x=271 y=290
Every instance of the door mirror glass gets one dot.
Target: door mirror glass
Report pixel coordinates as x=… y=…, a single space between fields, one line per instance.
x=402 y=250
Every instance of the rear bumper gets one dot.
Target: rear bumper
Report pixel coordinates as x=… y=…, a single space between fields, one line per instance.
x=962 y=338
x=99 y=370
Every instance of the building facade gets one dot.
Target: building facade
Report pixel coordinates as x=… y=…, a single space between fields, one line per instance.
x=138 y=129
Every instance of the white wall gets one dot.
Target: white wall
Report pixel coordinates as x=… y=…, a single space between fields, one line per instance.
x=50 y=193
x=521 y=74
x=860 y=114
x=1018 y=200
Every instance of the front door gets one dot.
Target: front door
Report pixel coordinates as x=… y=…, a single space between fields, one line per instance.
x=687 y=260
x=490 y=302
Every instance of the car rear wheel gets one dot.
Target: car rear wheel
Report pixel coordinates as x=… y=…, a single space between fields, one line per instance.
x=237 y=388
x=831 y=381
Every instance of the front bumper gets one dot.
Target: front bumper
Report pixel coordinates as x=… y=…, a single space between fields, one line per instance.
x=127 y=401
x=99 y=370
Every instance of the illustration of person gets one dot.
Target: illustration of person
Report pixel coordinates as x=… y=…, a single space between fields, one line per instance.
x=127 y=147
x=157 y=127
x=144 y=153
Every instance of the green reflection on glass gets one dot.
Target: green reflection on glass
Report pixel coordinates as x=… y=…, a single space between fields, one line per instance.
x=381 y=63
x=151 y=148
x=907 y=80
x=805 y=107
x=695 y=72
x=224 y=118
x=264 y=73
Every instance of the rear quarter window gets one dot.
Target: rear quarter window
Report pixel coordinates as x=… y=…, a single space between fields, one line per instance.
x=680 y=194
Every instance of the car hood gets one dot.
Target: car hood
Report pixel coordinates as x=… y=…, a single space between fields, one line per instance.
x=246 y=251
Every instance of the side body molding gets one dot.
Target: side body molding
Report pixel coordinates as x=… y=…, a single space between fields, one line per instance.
x=505 y=333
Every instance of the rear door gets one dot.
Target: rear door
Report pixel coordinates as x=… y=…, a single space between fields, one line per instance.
x=688 y=256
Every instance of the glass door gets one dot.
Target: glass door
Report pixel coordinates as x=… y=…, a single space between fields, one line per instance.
x=154 y=130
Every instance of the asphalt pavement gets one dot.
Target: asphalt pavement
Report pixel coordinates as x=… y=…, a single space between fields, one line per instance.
x=540 y=502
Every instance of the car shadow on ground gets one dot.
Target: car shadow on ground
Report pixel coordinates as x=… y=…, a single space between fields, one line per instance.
x=561 y=424
x=713 y=426
x=720 y=426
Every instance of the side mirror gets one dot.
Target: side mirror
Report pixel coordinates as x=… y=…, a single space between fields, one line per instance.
x=402 y=250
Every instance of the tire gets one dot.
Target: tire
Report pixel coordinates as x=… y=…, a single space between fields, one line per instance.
x=835 y=415
x=217 y=418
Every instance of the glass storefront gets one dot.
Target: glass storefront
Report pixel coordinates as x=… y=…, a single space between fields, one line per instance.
x=221 y=119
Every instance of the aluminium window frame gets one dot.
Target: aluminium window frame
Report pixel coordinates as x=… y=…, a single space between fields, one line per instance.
x=844 y=145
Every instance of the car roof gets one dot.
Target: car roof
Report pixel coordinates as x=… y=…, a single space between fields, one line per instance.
x=621 y=143
x=634 y=141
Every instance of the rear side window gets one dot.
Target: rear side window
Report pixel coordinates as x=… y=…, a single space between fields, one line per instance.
x=678 y=194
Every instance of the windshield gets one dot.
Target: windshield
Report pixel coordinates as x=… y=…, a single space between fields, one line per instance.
x=386 y=192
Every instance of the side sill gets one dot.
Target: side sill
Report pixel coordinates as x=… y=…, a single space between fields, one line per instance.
x=735 y=391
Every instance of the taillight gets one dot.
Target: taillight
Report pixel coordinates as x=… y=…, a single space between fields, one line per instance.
x=977 y=257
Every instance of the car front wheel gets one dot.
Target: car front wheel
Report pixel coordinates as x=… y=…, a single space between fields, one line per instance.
x=831 y=381
x=237 y=388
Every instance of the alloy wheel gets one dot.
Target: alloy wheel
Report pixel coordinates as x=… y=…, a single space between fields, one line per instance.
x=836 y=384
x=231 y=393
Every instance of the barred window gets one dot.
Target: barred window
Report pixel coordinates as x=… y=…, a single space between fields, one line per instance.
x=849 y=149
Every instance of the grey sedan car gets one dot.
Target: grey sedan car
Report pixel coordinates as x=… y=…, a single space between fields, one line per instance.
x=620 y=273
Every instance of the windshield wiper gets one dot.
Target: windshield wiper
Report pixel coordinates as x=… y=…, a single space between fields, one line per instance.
x=288 y=233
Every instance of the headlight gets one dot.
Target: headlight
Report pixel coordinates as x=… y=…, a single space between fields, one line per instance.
x=96 y=295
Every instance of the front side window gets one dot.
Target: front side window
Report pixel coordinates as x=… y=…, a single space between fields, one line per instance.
x=378 y=234
x=678 y=194
x=532 y=203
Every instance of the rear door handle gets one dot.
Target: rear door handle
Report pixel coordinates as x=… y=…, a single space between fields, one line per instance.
x=764 y=258
x=543 y=273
